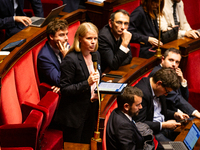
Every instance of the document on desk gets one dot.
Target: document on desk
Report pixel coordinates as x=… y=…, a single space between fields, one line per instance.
x=111 y=88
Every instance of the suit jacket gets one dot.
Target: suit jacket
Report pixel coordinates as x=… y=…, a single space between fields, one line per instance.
x=75 y=90
x=168 y=20
x=48 y=66
x=147 y=112
x=177 y=99
x=7 y=12
x=111 y=55
x=142 y=27
x=122 y=134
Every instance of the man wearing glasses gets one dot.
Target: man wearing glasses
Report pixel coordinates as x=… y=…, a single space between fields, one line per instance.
x=114 y=41
x=176 y=100
x=154 y=112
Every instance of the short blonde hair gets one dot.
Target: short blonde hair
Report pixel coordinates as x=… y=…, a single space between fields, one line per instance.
x=81 y=32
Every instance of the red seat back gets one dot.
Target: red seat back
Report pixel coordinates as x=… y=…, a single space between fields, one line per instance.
x=192 y=73
x=129 y=7
x=26 y=84
x=72 y=30
x=191 y=7
x=10 y=107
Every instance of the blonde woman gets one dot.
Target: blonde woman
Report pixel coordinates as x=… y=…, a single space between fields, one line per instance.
x=76 y=113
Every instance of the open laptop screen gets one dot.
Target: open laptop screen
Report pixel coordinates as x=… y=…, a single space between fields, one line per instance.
x=192 y=137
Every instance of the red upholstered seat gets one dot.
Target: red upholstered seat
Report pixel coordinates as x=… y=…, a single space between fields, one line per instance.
x=129 y=7
x=48 y=5
x=192 y=7
x=22 y=134
x=192 y=74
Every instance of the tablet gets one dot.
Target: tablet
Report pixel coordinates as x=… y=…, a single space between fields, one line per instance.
x=111 y=88
x=12 y=45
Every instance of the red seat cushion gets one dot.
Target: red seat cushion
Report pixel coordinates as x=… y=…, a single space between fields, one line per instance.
x=72 y=30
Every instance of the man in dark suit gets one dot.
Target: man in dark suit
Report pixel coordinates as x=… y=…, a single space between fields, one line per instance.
x=13 y=18
x=114 y=41
x=51 y=55
x=121 y=131
x=176 y=99
x=154 y=112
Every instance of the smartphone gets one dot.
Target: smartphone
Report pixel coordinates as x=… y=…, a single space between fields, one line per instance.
x=12 y=45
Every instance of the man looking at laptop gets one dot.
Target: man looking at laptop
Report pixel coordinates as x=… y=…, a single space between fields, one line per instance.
x=176 y=99
x=154 y=112
x=13 y=18
x=51 y=55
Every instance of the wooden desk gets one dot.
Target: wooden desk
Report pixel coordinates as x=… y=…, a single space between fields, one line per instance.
x=185 y=130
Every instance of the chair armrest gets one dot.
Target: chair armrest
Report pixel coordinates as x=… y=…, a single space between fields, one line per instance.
x=22 y=135
x=43 y=89
x=194 y=98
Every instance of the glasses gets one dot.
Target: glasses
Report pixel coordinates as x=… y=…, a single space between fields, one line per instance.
x=166 y=90
x=120 y=23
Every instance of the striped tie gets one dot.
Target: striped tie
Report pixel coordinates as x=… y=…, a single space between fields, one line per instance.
x=174 y=14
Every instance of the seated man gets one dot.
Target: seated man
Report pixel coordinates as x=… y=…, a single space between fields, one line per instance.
x=154 y=112
x=114 y=41
x=51 y=55
x=173 y=15
x=176 y=99
x=121 y=131
x=13 y=18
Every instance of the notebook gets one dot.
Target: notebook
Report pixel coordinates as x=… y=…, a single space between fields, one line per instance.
x=41 y=22
x=188 y=143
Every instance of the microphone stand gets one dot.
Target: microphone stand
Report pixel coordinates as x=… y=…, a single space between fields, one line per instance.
x=97 y=133
x=158 y=50
x=96 y=140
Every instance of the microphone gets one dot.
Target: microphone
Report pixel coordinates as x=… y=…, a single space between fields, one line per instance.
x=94 y=60
x=97 y=133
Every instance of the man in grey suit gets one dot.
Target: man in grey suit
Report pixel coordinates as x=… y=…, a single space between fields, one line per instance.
x=121 y=131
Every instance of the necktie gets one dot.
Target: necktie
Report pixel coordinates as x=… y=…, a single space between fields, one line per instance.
x=174 y=14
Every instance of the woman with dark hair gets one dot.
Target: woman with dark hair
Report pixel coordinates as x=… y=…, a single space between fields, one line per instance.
x=144 y=26
x=77 y=111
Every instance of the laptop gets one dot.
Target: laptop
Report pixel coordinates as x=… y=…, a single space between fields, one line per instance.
x=188 y=143
x=41 y=22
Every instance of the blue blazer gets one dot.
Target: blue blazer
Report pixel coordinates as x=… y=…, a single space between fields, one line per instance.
x=142 y=27
x=48 y=66
x=7 y=12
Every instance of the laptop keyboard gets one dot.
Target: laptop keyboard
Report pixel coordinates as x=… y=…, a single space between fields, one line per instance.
x=178 y=146
x=38 y=22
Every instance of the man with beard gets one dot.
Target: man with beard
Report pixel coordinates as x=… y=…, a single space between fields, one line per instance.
x=121 y=131
x=51 y=55
x=176 y=99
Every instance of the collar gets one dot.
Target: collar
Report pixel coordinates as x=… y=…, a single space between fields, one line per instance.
x=152 y=90
x=129 y=117
x=56 y=51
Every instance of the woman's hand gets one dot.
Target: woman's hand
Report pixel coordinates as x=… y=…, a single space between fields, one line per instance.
x=93 y=78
